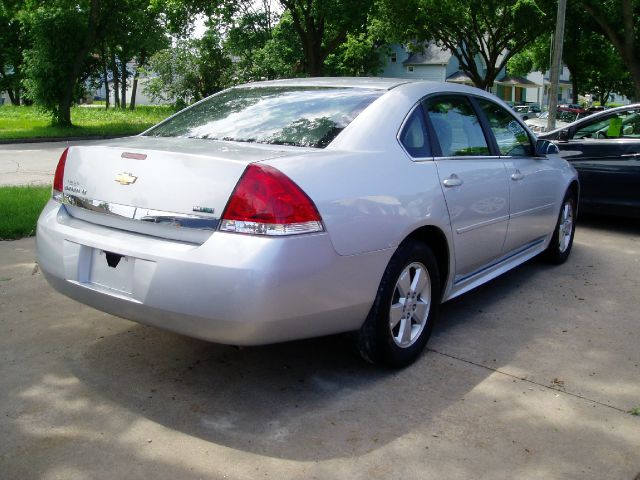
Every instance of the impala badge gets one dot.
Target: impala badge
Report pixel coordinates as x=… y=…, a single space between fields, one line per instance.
x=125 y=178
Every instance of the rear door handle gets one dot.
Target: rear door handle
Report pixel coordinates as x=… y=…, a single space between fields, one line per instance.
x=517 y=175
x=452 y=181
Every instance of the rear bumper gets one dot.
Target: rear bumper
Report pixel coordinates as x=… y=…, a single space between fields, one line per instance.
x=233 y=289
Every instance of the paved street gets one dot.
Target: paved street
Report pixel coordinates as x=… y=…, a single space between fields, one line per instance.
x=528 y=377
x=31 y=163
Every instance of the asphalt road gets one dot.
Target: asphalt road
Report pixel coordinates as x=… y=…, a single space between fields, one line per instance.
x=32 y=163
x=529 y=377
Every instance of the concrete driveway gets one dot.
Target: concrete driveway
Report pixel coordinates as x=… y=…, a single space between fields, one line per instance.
x=529 y=377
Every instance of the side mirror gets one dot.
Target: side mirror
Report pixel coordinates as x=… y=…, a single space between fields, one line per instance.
x=563 y=135
x=545 y=147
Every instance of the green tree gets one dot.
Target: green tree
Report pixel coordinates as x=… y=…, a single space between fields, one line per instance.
x=189 y=71
x=618 y=21
x=604 y=73
x=324 y=25
x=595 y=66
x=62 y=34
x=482 y=35
x=12 y=42
x=309 y=38
x=281 y=56
x=358 y=55
x=133 y=31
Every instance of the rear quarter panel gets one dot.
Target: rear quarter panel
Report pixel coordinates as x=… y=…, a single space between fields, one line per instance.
x=370 y=200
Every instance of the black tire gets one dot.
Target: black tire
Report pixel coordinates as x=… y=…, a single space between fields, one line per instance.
x=561 y=242
x=380 y=343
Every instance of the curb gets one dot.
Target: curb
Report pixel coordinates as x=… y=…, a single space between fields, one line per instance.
x=60 y=139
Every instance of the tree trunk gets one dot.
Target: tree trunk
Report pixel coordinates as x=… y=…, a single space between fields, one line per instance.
x=634 y=69
x=116 y=81
x=123 y=84
x=134 y=87
x=574 y=88
x=62 y=116
x=12 y=97
x=105 y=74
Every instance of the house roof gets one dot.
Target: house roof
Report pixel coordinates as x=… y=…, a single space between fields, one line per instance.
x=515 y=81
x=460 y=77
x=431 y=54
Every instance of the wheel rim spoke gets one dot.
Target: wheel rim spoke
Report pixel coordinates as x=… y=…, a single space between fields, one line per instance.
x=419 y=281
x=420 y=313
x=404 y=283
x=395 y=315
x=405 y=331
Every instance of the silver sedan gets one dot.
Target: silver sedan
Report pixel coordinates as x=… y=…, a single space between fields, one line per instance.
x=290 y=209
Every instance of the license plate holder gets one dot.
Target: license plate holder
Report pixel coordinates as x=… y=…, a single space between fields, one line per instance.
x=111 y=270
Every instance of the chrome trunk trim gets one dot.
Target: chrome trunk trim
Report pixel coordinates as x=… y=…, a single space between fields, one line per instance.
x=178 y=220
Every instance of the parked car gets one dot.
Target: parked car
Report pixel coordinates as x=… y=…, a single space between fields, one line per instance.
x=526 y=112
x=289 y=209
x=596 y=109
x=572 y=107
x=563 y=118
x=605 y=150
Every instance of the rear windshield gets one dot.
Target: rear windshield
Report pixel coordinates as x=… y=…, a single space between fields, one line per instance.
x=298 y=116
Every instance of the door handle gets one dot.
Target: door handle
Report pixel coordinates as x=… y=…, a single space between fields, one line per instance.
x=452 y=181
x=517 y=175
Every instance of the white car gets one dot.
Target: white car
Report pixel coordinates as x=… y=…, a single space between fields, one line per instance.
x=563 y=118
x=296 y=208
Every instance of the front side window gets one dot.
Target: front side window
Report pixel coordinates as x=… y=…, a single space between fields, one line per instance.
x=456 y=126
x=297 y=116
x=512 y=138
x=621 y=125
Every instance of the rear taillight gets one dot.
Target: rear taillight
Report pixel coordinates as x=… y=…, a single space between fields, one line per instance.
x=267 y=202
x=58 y=187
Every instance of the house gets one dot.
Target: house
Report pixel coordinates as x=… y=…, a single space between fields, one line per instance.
x=565 y=88
x=439 y=64
x=433 y=63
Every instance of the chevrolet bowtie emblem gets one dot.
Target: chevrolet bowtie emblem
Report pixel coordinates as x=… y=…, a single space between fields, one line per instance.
x=125 y=178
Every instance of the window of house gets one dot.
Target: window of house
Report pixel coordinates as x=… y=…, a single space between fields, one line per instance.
x=394 y=57
x=456 y=126
x=410 y=68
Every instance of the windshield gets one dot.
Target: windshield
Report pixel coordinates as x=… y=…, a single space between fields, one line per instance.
x=298 y=116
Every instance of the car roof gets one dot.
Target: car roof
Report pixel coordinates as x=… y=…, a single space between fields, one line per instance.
x=376 y=83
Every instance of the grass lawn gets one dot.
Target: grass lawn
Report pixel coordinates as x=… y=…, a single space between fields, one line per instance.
x=19 y=210
x=29 y=122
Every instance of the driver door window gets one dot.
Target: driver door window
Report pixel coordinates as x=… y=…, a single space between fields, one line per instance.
x=621 y=125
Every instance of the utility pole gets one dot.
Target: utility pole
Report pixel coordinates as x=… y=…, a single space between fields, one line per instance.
x=555 y=66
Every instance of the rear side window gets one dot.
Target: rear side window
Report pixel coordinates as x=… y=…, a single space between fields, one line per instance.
x=414 y=135
x=456 y=126
x=512 y=138
x=298 y=116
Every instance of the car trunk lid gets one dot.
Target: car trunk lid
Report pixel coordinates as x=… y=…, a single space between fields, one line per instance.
x=174 y=188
